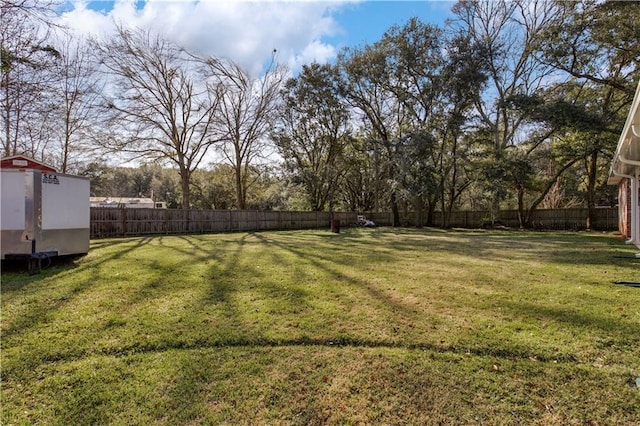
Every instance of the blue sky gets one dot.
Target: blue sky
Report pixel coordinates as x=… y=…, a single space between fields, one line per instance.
x=248 y=31
x=366 y=22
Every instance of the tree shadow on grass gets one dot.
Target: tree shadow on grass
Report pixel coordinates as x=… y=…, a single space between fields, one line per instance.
x=230 y=264
x=606 y=323
x=15 y=274
x=230 y=272
x=186 y=389
x=555 y=248
x=219 y=275
x=322 y=261
x=53 y=298
x=325 y=261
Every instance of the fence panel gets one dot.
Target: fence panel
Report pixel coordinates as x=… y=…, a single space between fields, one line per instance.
x=106 y=222
x=116 y=222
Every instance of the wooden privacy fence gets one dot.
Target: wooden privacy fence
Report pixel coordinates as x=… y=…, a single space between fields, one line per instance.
x=606 y=219
x=119 y=222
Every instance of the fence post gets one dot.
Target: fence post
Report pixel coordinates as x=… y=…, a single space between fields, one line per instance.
x=124 y=221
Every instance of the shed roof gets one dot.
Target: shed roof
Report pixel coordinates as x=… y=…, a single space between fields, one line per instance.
x=23 y=162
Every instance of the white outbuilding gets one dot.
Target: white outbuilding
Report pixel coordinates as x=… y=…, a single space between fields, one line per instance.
x=43 y=213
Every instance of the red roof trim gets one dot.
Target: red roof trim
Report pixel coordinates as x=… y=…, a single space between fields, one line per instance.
x=22 y=162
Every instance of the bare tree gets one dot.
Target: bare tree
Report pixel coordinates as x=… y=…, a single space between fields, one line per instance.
x=157 y=102
x=77 y=92
x=248 y=108
x=26 y=61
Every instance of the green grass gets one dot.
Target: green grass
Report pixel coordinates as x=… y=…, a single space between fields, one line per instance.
x=377 y=326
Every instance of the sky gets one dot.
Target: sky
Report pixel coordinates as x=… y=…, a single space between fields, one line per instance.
x=247 y=32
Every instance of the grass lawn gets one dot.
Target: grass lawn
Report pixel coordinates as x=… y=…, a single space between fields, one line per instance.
x=369 y=326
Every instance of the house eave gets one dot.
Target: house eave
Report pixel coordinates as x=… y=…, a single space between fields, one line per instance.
x=626 y=161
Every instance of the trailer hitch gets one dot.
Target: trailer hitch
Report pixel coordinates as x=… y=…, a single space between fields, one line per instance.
x=35 y=259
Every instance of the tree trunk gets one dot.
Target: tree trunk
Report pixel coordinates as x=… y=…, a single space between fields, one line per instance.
x=67 y=140
x=395 y=210
x=592 y=164
x=419 y=206
x=431 y=210
x=546 y=190
x=239 y=189
x=7 y=129
x=184 y=181
x=522 y=219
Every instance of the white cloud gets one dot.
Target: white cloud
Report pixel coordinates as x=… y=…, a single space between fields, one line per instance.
x=86 y=21
x=245 y=32
x=315 y=51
